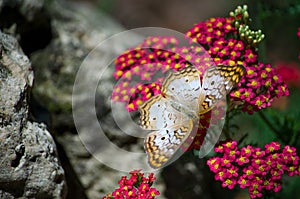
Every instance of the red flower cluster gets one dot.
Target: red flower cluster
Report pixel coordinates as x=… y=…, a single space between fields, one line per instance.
x=290 y=73
x=136 y=187
x=254 y=168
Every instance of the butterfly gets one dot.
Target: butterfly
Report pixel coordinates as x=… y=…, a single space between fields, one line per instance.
x=174 y=115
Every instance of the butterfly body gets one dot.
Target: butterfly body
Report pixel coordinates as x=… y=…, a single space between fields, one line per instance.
x=174 y=115
x=183 y=109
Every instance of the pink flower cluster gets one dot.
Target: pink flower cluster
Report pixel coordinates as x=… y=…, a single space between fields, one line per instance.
x=261 y=84
x=253 y=168
x=136 y=187
x=259 y=87
x=134 y=95
x=220 y=43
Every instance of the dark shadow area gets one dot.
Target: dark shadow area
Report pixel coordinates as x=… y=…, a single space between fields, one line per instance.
x=189 y=177
x=33 y=35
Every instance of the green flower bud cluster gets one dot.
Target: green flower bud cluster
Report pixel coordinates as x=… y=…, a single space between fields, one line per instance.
x=240 y=20
x=240 y=15
x=250 y=36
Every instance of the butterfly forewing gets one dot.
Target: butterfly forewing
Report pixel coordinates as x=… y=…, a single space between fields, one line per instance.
x=157 y=113
x=217 y=83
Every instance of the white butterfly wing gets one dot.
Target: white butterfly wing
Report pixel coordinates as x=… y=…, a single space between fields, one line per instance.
x=163 y=146
x=217 y=83
x=157 y=113
x=172 y=128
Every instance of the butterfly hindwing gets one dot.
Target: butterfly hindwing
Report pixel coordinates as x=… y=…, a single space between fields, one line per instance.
x=161 y=145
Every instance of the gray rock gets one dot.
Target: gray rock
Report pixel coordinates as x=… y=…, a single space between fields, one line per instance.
x=29 y=163
x=78 y=29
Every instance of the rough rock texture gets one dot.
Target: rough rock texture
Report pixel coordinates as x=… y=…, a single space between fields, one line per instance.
x=29 y=163
x=57 y=36
x=76 y=30
x=75 y=36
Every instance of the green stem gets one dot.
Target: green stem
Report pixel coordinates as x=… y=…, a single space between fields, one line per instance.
x=294 y=138
x=226 y=129
x=259 y=22
x=268 y=123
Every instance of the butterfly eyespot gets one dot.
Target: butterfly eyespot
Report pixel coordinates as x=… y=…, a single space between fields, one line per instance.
x=212 y=83
x=154 y=118
x=163 y=138
x=172 y=88
x=186 y=80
